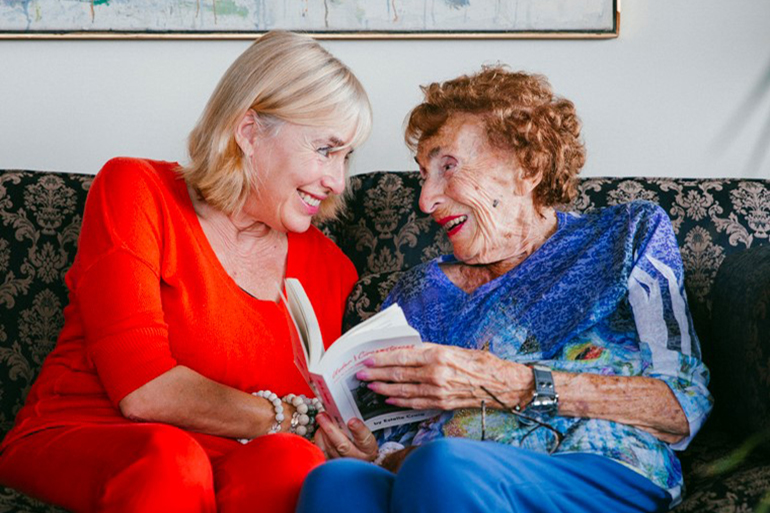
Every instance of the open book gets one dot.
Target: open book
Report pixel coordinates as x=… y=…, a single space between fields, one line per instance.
x=332 y=373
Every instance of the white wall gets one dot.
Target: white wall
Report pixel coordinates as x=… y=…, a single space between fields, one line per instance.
x=673 y=96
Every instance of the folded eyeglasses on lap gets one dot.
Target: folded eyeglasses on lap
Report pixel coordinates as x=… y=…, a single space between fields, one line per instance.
x=526 y=420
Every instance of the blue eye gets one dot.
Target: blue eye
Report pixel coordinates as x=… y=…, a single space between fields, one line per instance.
x=324 y=150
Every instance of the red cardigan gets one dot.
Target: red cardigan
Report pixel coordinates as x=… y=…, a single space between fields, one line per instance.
x=147 y=292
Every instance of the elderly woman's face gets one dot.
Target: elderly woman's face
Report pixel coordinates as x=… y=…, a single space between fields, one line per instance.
x=475 y=191
x=298 y=167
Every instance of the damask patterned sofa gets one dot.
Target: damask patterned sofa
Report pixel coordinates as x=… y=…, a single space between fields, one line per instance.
x=723 y=227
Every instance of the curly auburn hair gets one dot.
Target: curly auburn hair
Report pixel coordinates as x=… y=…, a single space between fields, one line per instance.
x=520 y=114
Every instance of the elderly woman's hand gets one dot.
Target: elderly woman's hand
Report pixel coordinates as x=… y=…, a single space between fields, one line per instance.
x=335 y=443
x=442 y=377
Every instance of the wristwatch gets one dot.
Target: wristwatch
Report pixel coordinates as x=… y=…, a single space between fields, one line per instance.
x=545 y=400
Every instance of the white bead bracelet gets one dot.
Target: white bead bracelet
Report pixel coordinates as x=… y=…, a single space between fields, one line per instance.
x=277 y=406
x=303 y=419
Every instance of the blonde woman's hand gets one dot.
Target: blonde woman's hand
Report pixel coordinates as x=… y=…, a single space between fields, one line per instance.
x=335 y=443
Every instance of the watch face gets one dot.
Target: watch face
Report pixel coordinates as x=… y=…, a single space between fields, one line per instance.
x=544 y=402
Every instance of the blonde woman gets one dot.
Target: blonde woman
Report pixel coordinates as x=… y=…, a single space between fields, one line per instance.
x=175 y=357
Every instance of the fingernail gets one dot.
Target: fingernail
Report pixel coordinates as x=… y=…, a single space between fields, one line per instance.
x=356 y=423
x=362 y=375
x=369 y=362
x=390 y=400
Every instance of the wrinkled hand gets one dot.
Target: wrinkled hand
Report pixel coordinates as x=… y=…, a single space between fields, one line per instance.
x=335 y=443
x=435 y=376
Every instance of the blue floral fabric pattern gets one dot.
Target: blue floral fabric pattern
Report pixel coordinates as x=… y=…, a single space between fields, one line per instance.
x=604 y=294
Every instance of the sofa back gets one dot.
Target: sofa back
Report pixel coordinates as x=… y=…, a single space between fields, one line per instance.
x=40 y=216
x=382 y=230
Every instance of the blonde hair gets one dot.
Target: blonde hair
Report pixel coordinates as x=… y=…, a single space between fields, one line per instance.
x=283 y=77
x=521 y=114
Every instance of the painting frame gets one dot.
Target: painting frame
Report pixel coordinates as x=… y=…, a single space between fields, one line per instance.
x=609 y=29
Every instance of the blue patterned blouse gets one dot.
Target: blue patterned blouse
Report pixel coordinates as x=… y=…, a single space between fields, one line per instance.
x=604 y=294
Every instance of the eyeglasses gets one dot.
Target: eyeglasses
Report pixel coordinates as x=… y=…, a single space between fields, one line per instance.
x=523 y=419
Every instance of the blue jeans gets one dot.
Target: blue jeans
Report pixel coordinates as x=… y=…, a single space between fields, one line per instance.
x=454 y=475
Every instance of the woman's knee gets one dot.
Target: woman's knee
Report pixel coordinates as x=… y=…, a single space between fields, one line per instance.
x=172 y=453
x=436 y=477
x=346 y=485
x=273 y=466
x=338 y=475
x=439 y=459
x=165 y=469
x=288 y=454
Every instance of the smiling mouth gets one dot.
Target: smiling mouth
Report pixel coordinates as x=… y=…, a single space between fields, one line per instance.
x=309 y=200
x=453 y=225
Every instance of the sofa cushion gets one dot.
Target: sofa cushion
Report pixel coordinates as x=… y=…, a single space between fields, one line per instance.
x=12 y=501
x=740 y=363
x=723 y=475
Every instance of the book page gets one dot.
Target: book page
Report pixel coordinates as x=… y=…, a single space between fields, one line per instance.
x=352 y=396
x=356 y=347
x=390 y=317
x=303 y=315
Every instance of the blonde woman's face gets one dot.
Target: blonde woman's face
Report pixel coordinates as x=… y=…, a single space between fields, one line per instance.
x=475 y=191
x=297 y=168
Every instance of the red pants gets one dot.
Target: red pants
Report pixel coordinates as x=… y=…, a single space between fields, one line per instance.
x=158 y=468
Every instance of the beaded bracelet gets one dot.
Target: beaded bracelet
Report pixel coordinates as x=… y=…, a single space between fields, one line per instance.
x=277 y=406
x=303 y=419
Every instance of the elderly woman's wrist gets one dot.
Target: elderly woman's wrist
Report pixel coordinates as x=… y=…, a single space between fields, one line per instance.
x=514 y=383
x=573 y=400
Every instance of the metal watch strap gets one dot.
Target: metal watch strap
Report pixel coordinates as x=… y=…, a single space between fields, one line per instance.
x=546 y=399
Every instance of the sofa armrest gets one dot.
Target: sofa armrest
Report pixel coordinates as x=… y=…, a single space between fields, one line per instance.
x=740 y=359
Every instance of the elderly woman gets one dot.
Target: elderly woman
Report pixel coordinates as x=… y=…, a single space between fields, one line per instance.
x=175 y=352
x=564 y=361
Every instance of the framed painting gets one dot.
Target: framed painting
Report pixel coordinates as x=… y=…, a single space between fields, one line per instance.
x=326 y=19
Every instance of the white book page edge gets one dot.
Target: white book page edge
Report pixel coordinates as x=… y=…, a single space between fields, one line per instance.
x=302 y=311
x=345 y=347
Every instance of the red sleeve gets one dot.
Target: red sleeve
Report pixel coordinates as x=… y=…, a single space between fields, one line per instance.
x=117 y=285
